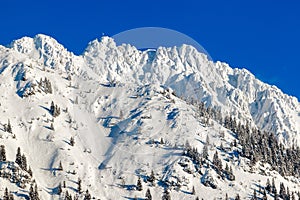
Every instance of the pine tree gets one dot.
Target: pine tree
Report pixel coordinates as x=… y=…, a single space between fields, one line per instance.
x=23 y=162
x=226 y=196
x=2 y=153
x=64 y=184
x=33 y=193
x=19 y=157
x=166 y=195
x=273 y=190
x=205 y=152
x=29 y=171
x=151 y=179
x=79 y=186
x=237 y=197
x=6 y=196
x=197 y=198
x=254 y=197
x=264 y=195
x=36 y=194
x=11 y=197
x=282 y=192
x=148 y=195
x=8 y=128
x=139 y=185
x=60 y=167
x=268 y=186
x=87 y=195
x=59 y=189
x=52 y=127
x=72 y=142
x=52 y=107
x=193 y=191
x=207 y=140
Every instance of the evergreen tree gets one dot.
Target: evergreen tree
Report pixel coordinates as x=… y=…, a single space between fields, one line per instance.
x=273 y=188
x=6 y=196
x=151 y=179
x=33 y=193
x=8 y=128
x=19 y=157
x=68 y=196
x=60 y=167
x=166 y=195
x=148 y=195
x=282 y=193
x=264 y=195
x=36 y=194
x=59 y=189
x=226 y=196
x=193 y=191
x=254 y=197
x=268 y=186
x=2 y=153
x=52 y=108
x=11 y=197
x=29 y=171
x=197 y=198
x=237 y=197
x=79 y=186
x=87 y=195
x=52 y=127
x=205 y=152
x=72 y=142
x=139 y=185
x=64 y=184
x=23 y=162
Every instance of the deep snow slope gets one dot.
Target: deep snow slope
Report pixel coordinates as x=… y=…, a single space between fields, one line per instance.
x=119 y=104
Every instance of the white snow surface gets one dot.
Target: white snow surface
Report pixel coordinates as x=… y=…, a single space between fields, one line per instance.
x=112 y=126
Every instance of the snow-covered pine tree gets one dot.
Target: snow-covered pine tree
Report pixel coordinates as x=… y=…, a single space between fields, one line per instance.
x=8 y=127
x=79 y=189
x=60 y=167
x=59 y=189
x=166 y=195
x=52 y=107
x=139 y=185
x=268 y=186
x=72 y=141
x=52 y=126
x=6 y=196
x=87 y=195
x=148 y=195
x=23 y=162
x=19 y=157
x=205 y=151
x=151 y=178
x=29 y=171
x=282 y=192
x=2 y=153
x=254 y=197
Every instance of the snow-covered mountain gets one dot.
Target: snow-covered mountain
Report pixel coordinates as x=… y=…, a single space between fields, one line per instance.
x=131 y=112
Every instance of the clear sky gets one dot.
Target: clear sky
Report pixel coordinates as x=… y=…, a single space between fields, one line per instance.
x=260 y=35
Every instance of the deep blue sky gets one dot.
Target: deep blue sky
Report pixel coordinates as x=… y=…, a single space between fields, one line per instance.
x=262 y=36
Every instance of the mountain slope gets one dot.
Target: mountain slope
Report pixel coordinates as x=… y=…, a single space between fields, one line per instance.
x=131 y=112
